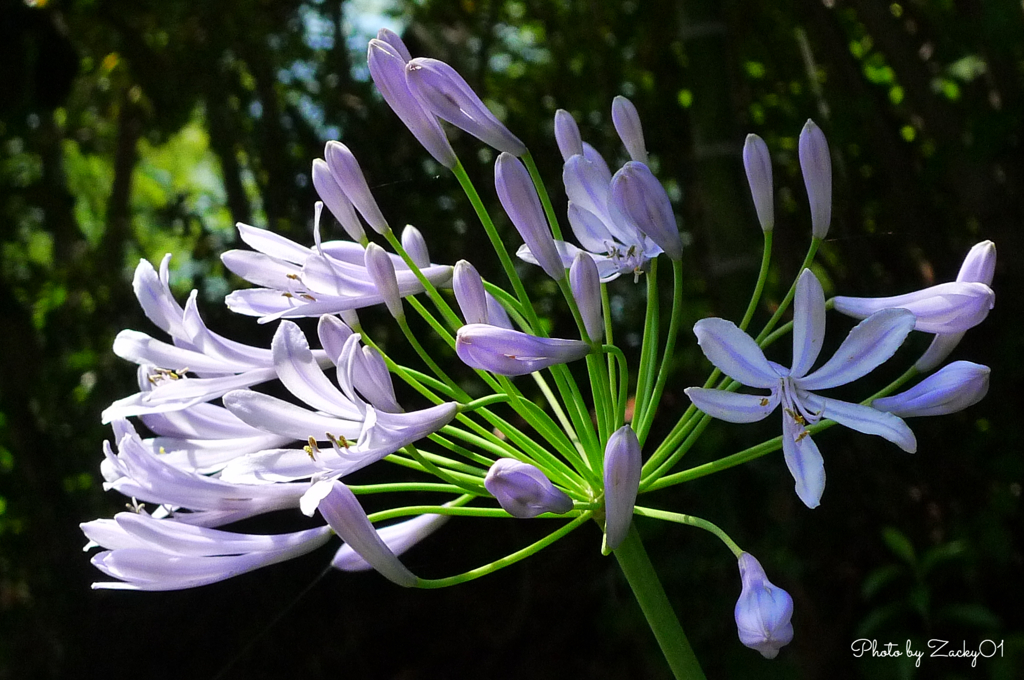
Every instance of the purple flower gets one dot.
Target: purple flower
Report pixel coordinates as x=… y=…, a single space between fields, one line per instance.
x=387 y=57
x=622 y=466
x=336 y=201
x=523 y=491
x=945 y=308
x=519 y=198
x=763 y=611
x=626 y=120
x=444 y=93
x=509 y=352
x=869 y=344
x=638 y=194
x=816 y=166
x=953 y=388
x=758 y=165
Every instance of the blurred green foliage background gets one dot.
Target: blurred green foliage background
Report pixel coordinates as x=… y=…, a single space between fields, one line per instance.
x=131 y=129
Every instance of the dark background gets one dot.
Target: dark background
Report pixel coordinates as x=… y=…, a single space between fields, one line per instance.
x=131 y=129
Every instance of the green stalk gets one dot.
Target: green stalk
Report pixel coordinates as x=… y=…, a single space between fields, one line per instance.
x=670 y=344
x=542 y=192
x=650 y=595
x=784 y=305
x=649 y=347
x=762 y=276
x=693 y=522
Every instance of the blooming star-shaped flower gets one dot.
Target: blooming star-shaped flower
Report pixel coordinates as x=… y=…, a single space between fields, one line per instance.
x=869 y=344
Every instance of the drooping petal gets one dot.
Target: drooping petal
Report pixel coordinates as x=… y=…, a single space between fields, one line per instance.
x=954 y=388
x=804 y=461
x=735 y=353
x=863 y=419
x=523 y=490
x=269 y=243
x=622 y=466
x=733 y=407
x=397 y=537
x=763 y=611
x=808 y=323
x=444 y=93
x=509 y=352
x=303 y=377
x=156 y=299
x=346 y=516
x=277 y=416
x=870 y=343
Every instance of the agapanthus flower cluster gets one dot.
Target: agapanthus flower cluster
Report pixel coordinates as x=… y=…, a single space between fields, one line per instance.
x=209 y=445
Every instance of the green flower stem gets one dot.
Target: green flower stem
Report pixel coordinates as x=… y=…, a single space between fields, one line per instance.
x=559 y=412
x=623 y=383
x=400 y=487
x=670 y=344
x=507 y=560
x=784 y=305
x=458 y=511
x=475 y=487
x=579 y=414
x=429 y=361
x=469 y=480
x=435 y=297
x=649 y=346
x=542 y=192
x=693 y=522
x=511 y=305
x=477 y=458
x=598 y=378
x=687 y=444
x=484 y=401
x=499 y=247
x=642 y=578
x=606 y=307
x=762 y=276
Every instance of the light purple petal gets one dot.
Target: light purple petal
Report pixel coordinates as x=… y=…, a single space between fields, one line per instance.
x=735 y=353
x=945 y=308
x=870 y=343
x=954 y=388
x=274 y=415
x=300 y=373
x=804 y=461
x=274 y=245
x=567 y=135
x=156 y=299
x=864 y=419
x=816 y=166
x=808 y=323
x=626 y=120
x=397 y=537
x=758 y=165
x=523 y=490
x=733 y=407
x=509 y=352
x=622 y=467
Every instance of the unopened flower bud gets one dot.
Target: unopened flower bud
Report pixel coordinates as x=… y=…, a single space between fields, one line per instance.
x=816 y=166
x=387 y=57
x=945 y=308
x=336 y=201
x=638 y=194
x=347 y=173
x=622 y=467
x=445 y=93
x=469 y=292
x=586 y=290
x=763 y=611
x=496 y=314
x=954 y=388
x=523 y=491
x=342 y=510
x=519 y=198
x=758 y=165
x=509 y=352
x=416 y=246
x=374 y=382
x=567 y=135
x=382 y=272
x=626 y=120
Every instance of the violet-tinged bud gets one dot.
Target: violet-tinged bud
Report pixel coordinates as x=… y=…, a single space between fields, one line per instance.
x=945 y=308
x=391 y=38
x=347 y=173
x=510 y=352
x=758 y=165
x=519 y=198
x=445 y=93
x=382 y=272
x=416 y=246
x=469 y=292
x=567 y=135
x=626 y=120
x=953 y=388
x=336 y=201
x=586 y=290
x=638 y=194
x=496 y=314
x=816 y=166
x=763 y=611
x=979 y=266
x=523 y=491
x=374 y=383
x=397 y=537
x=622 y=466
x=387 y=58
x=342 y=510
